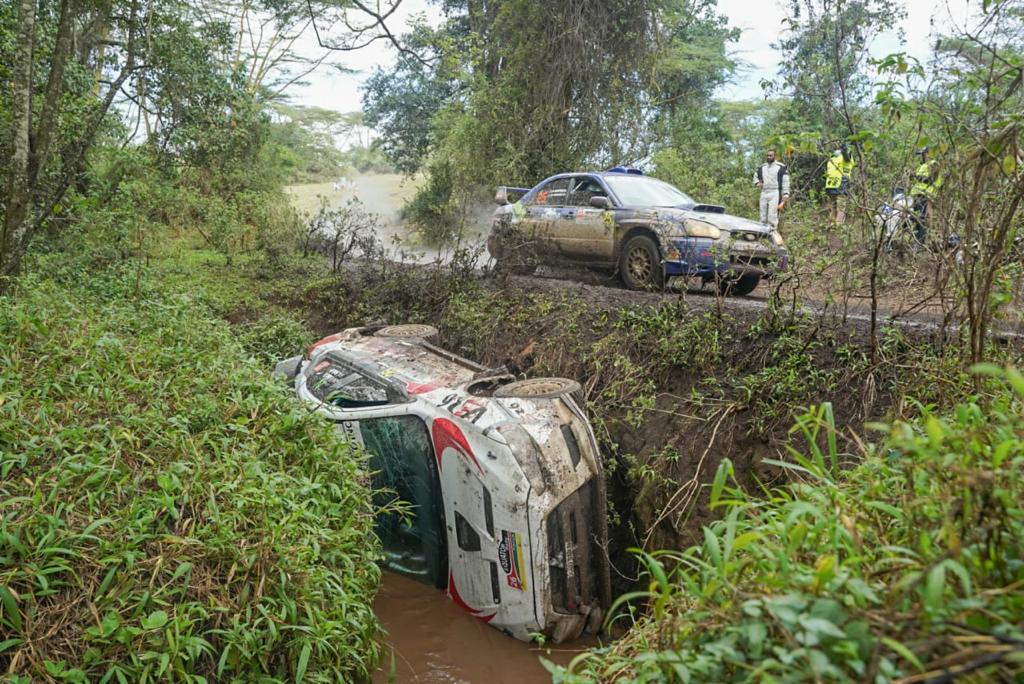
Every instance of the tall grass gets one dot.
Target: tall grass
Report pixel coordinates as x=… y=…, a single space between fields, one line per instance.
x=166 y=512
x=908 y=566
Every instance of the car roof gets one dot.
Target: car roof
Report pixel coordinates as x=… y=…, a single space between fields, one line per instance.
x=438 y=378
x=409 y=361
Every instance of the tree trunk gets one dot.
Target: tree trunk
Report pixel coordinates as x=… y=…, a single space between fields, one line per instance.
x=51 y=103
x=17 y=199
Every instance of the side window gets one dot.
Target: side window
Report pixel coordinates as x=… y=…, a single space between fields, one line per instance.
x=553 y=194
x=584 y=188
x=334 y=381
x=407 y=491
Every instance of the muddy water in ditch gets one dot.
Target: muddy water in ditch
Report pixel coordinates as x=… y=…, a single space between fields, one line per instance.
x=435 y=642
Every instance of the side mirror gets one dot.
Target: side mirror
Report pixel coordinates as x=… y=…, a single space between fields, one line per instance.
x=286 y=370
x=600 y=202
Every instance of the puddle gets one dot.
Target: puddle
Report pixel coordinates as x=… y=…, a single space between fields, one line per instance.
x=435 y=642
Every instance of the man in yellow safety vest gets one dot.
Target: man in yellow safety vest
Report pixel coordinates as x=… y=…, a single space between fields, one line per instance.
x=837 y=182
x=926 y=184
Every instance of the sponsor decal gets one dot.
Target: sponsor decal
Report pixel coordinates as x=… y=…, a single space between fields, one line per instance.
x=419 y=388
x=510 y=555
x=350 y=428
x=447 y=435
x=581 y=213
x=518 y=211
x=608 y=218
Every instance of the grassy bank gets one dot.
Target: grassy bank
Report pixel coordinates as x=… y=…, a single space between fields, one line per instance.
x=908 y=566
x=672 y=386
x=813 y=555
x=166 y=511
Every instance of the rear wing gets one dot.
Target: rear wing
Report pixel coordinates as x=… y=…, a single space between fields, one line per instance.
x=508 y=195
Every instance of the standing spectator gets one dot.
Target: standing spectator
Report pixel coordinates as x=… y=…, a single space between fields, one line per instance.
x=926 y=183
x=837 y=182
x=773 y=179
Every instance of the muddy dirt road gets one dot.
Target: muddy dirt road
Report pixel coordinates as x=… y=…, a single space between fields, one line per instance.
x=435 y=642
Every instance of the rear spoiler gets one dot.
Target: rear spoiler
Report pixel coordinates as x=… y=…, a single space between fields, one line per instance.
x=507 y=194
x=709 y=208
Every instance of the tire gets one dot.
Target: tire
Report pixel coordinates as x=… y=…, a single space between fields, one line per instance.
x=739 y=287
x=640 y=264
x=411 y=330
x=537 y=388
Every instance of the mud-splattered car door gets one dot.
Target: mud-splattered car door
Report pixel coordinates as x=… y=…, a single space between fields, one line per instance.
x=543 y=213
x=588 y=235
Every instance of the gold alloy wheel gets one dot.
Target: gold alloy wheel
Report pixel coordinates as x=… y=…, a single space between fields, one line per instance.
x=640 y=265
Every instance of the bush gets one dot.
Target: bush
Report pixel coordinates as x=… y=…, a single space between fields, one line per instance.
x=910 y=564
x=166 y=511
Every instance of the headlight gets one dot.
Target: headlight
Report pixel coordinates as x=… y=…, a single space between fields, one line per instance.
x=777 y=238
x=702 y=229
x=527 y=453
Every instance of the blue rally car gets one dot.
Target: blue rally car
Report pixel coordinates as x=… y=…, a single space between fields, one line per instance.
x=647 y=229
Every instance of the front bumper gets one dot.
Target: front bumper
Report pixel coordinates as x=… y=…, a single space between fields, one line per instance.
x=706 y=259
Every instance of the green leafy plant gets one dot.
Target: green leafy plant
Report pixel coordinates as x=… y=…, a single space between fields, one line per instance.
x=167 y=513
x=907 y=566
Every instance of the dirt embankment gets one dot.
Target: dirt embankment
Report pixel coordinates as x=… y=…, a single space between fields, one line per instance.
x=674 y=384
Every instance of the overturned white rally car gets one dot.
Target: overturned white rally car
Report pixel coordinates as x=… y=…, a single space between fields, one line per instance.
x=503 y=478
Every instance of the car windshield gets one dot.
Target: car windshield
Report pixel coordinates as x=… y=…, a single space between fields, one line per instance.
x=641 y=191
x=333 y=381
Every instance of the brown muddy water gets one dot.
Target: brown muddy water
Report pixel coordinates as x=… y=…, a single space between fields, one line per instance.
x=435 y=642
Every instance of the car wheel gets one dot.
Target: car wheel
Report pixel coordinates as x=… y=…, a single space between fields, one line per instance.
x=410 y=330
x=640 y=264
x=739 y=287
x=538 y=388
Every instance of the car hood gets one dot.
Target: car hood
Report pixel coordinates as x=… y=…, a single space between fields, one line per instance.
x=726 y=222
x=676 y=216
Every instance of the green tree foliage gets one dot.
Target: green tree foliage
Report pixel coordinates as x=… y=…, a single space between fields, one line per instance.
x=306 y=138
x=518 y=90
x=167 y=512
x=824 y=65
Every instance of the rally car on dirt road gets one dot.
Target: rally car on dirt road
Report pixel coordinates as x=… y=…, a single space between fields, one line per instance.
x=647 y=229
x=502 y=478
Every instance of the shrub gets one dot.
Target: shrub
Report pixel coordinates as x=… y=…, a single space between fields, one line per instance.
x=166 y=511
x=909 y=565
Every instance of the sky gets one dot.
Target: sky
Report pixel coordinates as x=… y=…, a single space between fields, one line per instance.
x=760 y=22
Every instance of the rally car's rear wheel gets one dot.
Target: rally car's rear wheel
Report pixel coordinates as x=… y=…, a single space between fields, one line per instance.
x=538 y=388
x=419 y=330
x=640 y=264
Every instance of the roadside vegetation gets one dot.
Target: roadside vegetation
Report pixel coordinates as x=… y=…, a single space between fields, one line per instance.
x=902 y=560
x=167 y=513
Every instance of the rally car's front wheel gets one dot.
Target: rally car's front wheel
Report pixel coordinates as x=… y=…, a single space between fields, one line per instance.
x=739 y=286
x=640 y=264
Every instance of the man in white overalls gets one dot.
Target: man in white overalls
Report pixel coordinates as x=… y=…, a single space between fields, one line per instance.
x=773 y=179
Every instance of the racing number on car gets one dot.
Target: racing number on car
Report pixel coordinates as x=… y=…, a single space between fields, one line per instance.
x=471 y=409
